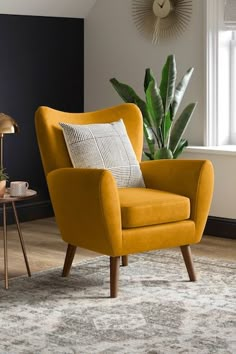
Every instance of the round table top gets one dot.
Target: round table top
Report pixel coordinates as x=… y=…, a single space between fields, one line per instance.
x=30 y=193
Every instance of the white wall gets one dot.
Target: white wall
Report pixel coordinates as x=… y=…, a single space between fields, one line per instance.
x=55 y=8
x=114 y=48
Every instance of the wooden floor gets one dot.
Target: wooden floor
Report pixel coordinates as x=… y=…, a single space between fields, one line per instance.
x=45 y=249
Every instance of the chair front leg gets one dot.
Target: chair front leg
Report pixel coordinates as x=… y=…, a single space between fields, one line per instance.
x=70 y=253
x=114 y=276
x=187 y=256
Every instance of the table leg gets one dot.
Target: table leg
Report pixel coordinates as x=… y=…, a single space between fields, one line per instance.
x=21 y=239
x=5 y=245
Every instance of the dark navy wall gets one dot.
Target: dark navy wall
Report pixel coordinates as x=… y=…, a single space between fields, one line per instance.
x=41 y=63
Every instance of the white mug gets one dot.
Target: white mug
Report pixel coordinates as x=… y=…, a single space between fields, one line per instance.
x=18 y=188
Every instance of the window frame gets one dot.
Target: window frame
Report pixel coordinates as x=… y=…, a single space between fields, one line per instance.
x=218 y=123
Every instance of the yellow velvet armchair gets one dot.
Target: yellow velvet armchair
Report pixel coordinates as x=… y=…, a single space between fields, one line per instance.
x=92 y=213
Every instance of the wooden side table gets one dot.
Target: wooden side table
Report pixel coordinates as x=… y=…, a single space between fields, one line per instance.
x=7 y=199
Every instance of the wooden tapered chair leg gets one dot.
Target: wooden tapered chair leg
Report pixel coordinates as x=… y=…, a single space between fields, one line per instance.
x=125 y=261
x=114 y=276
x=187 y=256
x=70 y=253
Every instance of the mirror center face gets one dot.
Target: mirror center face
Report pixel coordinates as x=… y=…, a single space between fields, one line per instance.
x=161 y=8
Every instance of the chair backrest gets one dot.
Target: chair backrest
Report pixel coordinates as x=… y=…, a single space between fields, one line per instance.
x=51 y=142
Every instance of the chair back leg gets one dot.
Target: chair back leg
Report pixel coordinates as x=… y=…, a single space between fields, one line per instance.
x=70 y=253
x=124 y=261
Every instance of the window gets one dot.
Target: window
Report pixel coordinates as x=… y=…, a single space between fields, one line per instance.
x=220 y=73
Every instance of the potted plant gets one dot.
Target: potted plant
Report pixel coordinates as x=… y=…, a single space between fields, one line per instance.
x=3 y=180
x=163 y=130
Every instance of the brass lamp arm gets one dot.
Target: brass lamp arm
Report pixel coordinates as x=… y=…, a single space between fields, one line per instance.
x=1 y=151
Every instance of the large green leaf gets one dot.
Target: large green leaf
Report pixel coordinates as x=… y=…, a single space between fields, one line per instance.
x=148 y=155
x=126 y=92
x=179 y=149
x=179 y=126
x=166 y=125
x=150 y=140
x=154 y=105
x=163 y=153
x=143 y=108
x=180 y=90
x=128 y=95
x=167 y=86
x=148 y=78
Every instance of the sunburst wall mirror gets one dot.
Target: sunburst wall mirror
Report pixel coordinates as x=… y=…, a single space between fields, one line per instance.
x=160 y=19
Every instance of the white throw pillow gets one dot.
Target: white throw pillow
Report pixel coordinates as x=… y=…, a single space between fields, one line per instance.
x=104 y=146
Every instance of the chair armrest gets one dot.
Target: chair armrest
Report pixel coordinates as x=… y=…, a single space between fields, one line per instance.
x=87 y=208
x=191 y=178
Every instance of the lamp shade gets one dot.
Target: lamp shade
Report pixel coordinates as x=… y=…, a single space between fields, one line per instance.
x=7 y=124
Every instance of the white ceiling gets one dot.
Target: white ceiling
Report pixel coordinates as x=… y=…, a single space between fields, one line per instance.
x=55 y=8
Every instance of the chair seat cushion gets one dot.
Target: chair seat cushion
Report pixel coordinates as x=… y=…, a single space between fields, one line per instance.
x=143 y=207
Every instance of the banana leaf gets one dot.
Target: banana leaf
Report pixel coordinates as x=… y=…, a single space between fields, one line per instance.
x=154 y=105
x=182 y=144
x=128 y=95
x=180 y=126
x=166 y=125
x=180 y=91
x=148 y=78
x=163 y=153
x=148 y=155
x=167 y=86
x=150 y=140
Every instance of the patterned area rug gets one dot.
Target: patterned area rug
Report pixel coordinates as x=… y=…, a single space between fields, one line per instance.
x=158 y=310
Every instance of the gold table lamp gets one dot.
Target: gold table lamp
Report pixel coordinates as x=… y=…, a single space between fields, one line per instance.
x=7 y=126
